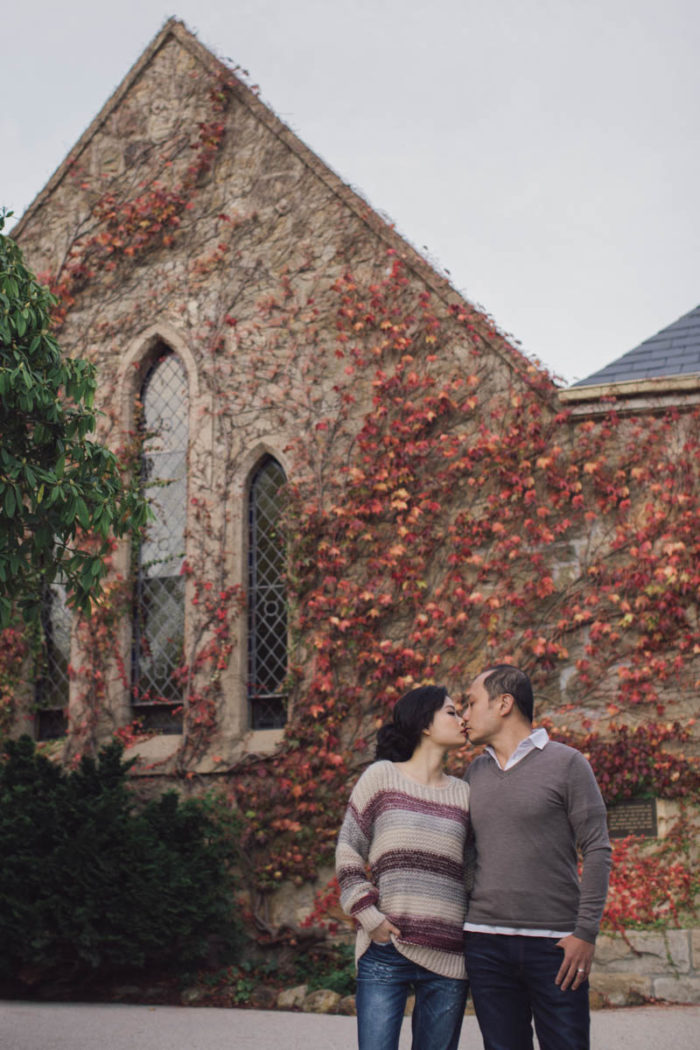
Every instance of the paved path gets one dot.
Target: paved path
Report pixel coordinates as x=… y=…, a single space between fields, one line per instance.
x=66 y=1026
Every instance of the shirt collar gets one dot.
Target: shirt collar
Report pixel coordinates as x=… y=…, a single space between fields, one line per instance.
x=538 y=738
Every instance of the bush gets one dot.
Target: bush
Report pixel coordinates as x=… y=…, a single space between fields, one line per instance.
x=90 y=887
x=336 y=972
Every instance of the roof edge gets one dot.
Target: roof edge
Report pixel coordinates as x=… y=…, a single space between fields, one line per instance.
x=631 y=388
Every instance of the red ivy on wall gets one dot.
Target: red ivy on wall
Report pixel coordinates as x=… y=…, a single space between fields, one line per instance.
x=443 y=513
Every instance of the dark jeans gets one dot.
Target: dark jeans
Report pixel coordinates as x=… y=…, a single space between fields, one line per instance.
x=384 y=979
x=512 y=980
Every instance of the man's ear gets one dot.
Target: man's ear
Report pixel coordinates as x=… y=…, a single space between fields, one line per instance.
x=506 y=700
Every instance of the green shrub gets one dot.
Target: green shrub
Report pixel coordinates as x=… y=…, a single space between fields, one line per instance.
x=332 y=968
x=90 y=886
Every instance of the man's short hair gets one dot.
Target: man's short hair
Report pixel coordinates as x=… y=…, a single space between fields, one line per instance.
x=504 y=678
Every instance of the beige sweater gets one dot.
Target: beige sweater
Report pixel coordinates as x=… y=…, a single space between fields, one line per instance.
x=412 y=837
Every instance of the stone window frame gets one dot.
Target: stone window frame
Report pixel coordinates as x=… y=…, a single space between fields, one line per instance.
x=133 y=369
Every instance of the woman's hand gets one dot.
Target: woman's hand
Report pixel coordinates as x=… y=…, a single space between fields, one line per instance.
x=382 y=934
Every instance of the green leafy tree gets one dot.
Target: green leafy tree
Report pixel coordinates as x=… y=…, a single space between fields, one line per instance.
x=62 y=495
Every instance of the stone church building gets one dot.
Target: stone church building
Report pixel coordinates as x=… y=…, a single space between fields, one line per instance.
x=357 y=482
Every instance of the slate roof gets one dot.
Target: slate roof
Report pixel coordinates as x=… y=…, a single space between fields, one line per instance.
x=673 y=351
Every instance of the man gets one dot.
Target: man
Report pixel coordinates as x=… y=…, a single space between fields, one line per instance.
x=531 y=925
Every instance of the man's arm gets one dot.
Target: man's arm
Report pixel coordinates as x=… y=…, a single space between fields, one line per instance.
x=588 y=819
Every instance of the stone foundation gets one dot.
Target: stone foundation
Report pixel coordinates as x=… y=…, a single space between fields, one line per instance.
x=646 y=964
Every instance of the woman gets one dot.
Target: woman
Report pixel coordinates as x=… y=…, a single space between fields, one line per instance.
x=408 y=821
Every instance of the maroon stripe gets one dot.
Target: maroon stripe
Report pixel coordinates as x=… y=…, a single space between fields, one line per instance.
x=415 y=860
x=398 y=800
x=367 y=901
x=351 y=875
x=363 y=820
x=429 y=933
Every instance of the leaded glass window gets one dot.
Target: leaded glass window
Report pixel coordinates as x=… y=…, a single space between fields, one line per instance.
x=159 y=614
x=52 y=682
x=267 y=600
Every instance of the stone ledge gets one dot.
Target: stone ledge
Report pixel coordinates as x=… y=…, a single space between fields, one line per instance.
x=618 y=989
x=677 y=990
x=695 y=948
x=643 y=952
x=646 y=964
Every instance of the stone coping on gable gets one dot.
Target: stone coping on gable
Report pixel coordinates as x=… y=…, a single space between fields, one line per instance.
x=634 y=395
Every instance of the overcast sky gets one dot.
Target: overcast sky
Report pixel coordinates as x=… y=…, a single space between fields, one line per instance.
x=546 y=153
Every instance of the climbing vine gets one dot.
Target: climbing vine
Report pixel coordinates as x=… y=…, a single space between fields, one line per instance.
x=468 y=527
x=654 y=883
x=443 y=511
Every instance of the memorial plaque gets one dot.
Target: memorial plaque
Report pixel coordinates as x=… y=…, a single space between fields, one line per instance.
x=637 y=817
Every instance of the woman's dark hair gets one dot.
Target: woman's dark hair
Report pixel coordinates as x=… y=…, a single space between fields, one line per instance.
x=504 y=678
x=398 y=739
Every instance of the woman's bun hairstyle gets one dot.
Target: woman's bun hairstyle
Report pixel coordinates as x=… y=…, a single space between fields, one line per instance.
x=398 y=739
x=393 y=745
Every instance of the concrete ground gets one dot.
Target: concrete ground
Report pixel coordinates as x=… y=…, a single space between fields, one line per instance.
x=67 y=1026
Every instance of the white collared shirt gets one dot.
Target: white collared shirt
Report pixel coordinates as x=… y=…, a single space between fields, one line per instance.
x=538 y=738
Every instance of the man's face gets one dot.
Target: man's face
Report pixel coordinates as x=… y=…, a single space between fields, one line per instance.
x=481 y=714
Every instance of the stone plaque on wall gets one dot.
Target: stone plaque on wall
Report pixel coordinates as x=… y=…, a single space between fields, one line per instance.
x=637 y=817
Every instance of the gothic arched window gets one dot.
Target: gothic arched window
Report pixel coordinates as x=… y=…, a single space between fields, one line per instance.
x=159 y=607
x=267 y=600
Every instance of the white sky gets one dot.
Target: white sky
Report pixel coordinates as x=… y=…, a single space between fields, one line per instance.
x=546 y=153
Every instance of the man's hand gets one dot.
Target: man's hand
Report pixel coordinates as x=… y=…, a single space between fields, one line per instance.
x=382 y=934
x=576 y=965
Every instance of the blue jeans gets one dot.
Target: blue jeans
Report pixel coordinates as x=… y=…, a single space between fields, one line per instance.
x=512 y=979
x=384 y=979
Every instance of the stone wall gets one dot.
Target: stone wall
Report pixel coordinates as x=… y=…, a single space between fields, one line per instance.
x=646 y=964
x=266 y=234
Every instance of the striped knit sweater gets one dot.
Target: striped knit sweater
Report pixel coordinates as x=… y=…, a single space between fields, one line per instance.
x=412 y=837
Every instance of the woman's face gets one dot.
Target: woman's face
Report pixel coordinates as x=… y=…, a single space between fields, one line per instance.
x=447 y=727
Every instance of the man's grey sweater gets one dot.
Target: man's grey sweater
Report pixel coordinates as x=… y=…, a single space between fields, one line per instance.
x=528 y=822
